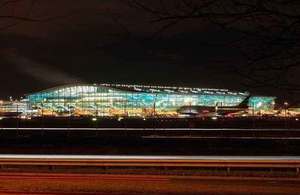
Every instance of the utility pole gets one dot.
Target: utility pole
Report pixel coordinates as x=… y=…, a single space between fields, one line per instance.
x=285 y=113
x=154 y=105
x=253 y=113
x=18 y=118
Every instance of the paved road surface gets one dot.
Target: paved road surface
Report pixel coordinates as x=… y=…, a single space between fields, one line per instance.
x=125 y=161
x=147 y=129
x=149 y=157
x=32 y=180
x=40 y=183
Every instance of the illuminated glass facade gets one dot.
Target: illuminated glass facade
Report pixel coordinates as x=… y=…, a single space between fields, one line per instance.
x=133 y=100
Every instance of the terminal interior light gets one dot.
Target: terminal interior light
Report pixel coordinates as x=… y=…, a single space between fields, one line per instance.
x=133 y=100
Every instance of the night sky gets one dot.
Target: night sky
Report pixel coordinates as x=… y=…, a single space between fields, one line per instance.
x=106 y=41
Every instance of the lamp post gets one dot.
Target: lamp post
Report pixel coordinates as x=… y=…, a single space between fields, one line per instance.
x=18 y=118
x=154 y=109
x=42 y=107
x=70 y=115
x=285 y=108
x=253 y=113
x=285 y=113
x=217 y=108
x=273 y=106
x=154 y=105
x=253 y=109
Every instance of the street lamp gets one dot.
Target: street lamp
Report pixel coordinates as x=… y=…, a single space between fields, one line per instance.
x=253 y=109
x=285 y=112
x=273 y=105
x=42 y=107
x=154 y=105
x=285 y=108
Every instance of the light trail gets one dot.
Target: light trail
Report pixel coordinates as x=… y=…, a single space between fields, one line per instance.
x=227 y=137
x=145 y=157
x=144 y=129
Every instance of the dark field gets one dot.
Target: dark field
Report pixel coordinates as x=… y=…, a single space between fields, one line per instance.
x=243 y=137
x=115 y=122
x=107 y=142
x=255 y=136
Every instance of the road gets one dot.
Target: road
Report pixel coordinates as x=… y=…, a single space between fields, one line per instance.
x=156 y=133
x=144 y=129
x=272 y=159
x=151 y=161
x=89 y=174
x=114 y=184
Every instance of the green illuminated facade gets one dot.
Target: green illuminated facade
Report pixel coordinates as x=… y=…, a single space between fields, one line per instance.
x=134 y=100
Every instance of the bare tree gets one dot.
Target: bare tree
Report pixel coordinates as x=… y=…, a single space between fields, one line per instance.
x=269 y=32
x=14 y=12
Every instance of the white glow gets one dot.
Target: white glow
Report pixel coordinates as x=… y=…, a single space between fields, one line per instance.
x=259 y=104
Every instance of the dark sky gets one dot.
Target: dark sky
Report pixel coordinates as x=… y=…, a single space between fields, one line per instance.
x=105 y=41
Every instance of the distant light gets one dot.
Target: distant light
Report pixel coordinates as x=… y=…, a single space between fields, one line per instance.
x=120 y=118
x=214 y=118
x=1 y=118
x=94 y=119
x=144 y=119
x=23 y=117
x=297 y=119
x=259 y=104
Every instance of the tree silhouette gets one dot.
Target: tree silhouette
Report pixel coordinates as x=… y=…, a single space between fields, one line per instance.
x=269 y=32
x=14 y=12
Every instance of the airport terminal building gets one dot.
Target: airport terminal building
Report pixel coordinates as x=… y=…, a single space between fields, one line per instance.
x=134 y=100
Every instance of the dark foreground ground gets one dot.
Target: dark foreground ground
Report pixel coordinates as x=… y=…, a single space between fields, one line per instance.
x=100 y=140
x=242 y=142
x=154 y=122
x=33 y=174
x=157 y=140
x=247 y=137
x=41 y=183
